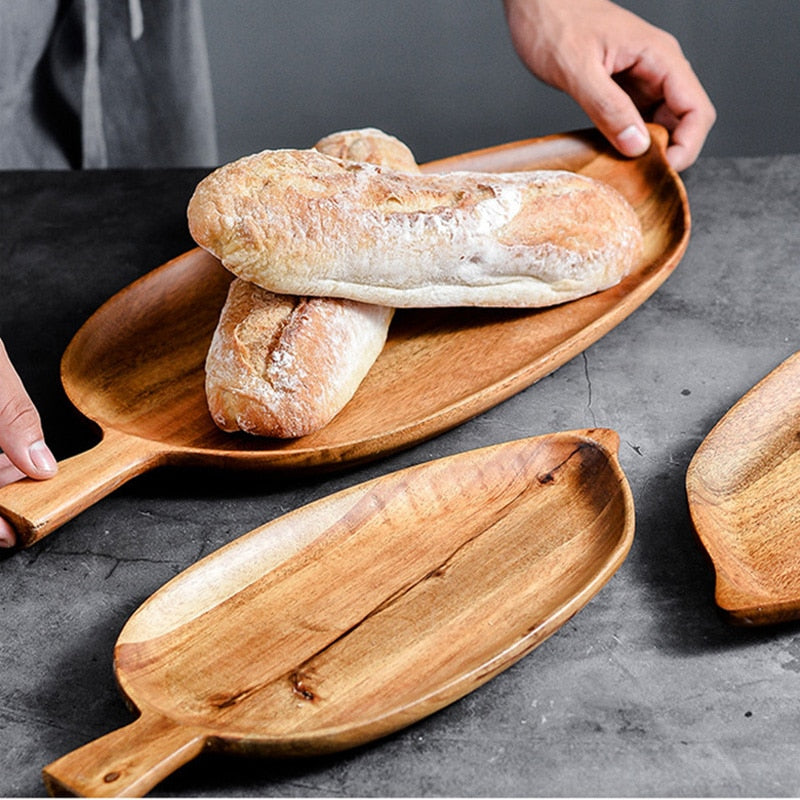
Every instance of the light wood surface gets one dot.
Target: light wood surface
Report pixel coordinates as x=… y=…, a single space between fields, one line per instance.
x=136 y=366
x=743 y=486
x=359 y=614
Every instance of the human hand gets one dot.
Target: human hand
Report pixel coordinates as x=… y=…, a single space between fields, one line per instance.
x=620 y=69
x=24 y=451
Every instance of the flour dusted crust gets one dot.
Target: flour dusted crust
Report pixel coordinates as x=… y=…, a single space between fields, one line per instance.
x=282 y=365
x=370 y=145
x=304 y=222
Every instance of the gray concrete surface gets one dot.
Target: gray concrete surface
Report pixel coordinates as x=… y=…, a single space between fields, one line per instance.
x=647 y=691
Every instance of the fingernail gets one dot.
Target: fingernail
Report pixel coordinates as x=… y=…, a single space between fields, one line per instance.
x=633 y=141
x=42 y=458
x=7 y=538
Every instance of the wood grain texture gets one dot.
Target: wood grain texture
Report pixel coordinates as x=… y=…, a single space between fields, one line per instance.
x=136 y=366
x=742 y=485
x=361 y=613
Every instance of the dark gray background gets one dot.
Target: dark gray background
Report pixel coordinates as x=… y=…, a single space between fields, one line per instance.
x=443 y=76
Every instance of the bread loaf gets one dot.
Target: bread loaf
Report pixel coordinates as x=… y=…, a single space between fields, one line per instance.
x=282 y=365
x=369 y=145
x=304 y=222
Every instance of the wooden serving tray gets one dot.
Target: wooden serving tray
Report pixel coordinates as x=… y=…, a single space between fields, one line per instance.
x=743 y=486
x=364 y=611
x=136 y=366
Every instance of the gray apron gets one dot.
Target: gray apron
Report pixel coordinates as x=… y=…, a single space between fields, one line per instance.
x=104 y=83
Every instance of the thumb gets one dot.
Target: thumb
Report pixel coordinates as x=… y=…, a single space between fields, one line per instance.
x=613 y=112
x=21 y=437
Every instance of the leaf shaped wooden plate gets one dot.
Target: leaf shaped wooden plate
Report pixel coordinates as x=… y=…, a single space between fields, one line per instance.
x=743 y=486
x=136 y=366
x=364 y=611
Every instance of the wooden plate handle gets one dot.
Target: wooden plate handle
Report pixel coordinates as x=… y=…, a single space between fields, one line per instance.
x=37 y=508
x=127 y=762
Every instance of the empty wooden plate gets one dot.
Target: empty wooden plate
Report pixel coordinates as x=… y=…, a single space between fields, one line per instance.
x=136 y=365
x=361 y=613
x=743 y=486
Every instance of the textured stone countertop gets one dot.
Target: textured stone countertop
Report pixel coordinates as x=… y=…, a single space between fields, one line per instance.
x=646 y=691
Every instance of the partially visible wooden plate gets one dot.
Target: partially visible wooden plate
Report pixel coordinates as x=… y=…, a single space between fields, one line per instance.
x=136 y=366
x=365 y=611
x=743 y=486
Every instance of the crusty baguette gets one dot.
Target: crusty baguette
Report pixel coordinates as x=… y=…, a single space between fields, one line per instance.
x=303 y=222
x=369 y=145
x=284 y=366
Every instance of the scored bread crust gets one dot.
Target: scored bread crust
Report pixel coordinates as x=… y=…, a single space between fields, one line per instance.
x=282 y=365
x=304 y=222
